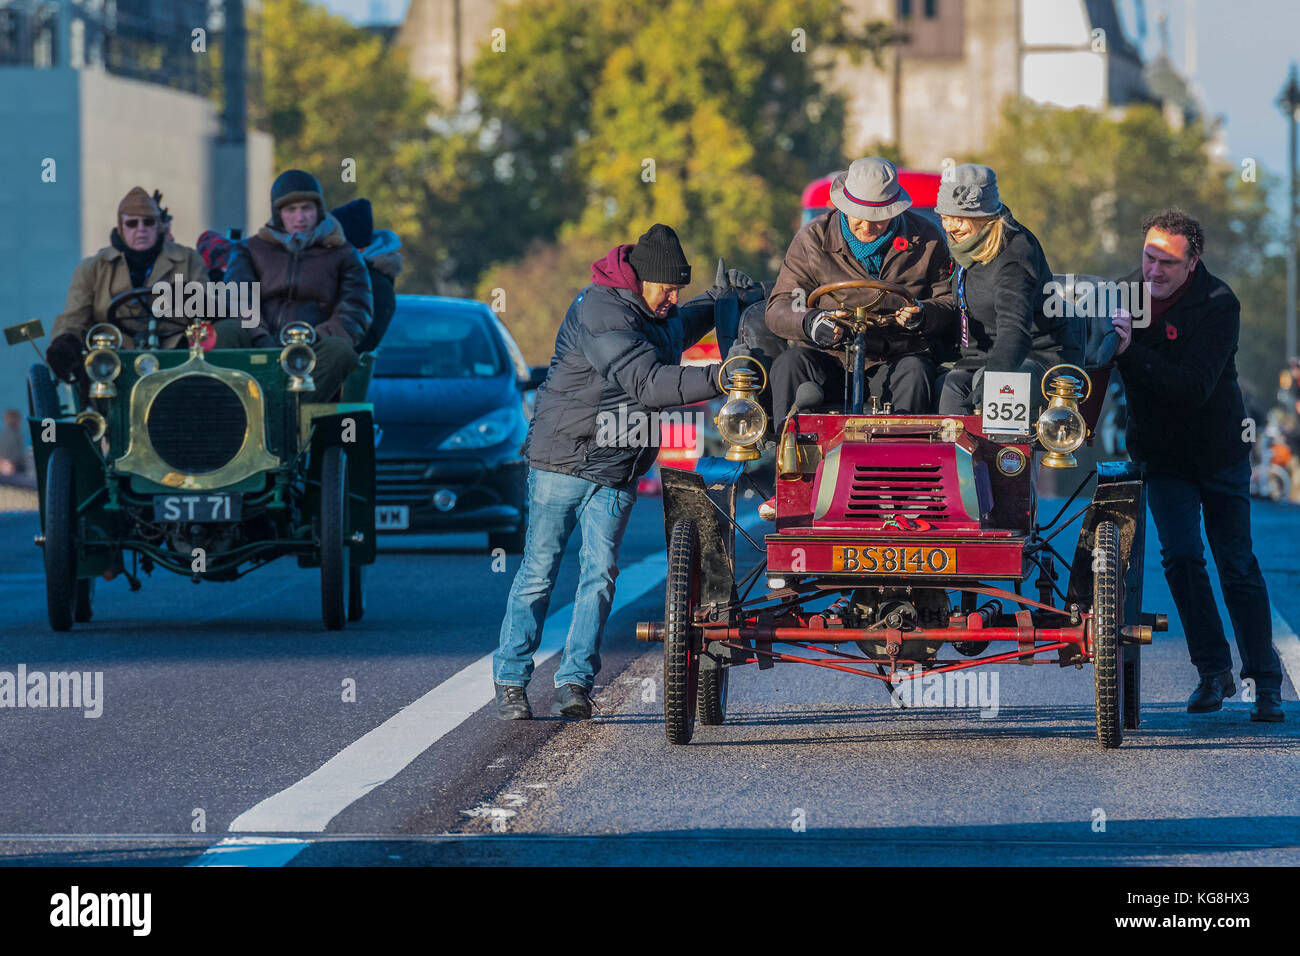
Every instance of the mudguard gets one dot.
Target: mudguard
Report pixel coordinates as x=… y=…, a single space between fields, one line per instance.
x=699 y=495
x=1120 y=497
x=352 y=429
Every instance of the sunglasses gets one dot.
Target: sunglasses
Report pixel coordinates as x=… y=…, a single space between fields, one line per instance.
x=145 y=221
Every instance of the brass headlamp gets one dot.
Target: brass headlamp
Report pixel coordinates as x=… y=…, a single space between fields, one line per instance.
x=102 y=364
x=1061 y=429
x=298 y=358
x=741 y=421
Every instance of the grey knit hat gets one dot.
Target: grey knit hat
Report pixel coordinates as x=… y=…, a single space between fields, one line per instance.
x=870 y=190
x=969 y=192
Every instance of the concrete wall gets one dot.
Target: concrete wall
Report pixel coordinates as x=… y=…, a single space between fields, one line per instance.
x=106 y=134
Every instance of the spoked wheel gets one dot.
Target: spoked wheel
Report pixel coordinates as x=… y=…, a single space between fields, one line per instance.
x=681 y=651
x=333 y=538
x=1107 y=652
x=60 y=541
x=85 y=606
x=711 y=699
x=356 y=593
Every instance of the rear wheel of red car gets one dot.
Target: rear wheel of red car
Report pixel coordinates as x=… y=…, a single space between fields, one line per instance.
x=333 y=538
x=60 y=541
x=1107 y=652
x=711 y=701
x=681 y=651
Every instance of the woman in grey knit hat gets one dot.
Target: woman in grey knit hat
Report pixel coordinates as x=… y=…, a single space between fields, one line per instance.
x=1001 y=281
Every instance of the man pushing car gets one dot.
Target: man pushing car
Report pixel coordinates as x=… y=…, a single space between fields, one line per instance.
x=616 y=359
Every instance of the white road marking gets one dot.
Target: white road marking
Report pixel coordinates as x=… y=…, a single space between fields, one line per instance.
x=1288 y=647
x=309 y=805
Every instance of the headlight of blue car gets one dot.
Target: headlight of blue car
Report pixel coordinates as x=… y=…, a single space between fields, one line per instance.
x=492 y=429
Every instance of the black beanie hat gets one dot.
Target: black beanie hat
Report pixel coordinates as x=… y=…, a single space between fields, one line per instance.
x=358 y=222
x=294 y=185
x=658 y=257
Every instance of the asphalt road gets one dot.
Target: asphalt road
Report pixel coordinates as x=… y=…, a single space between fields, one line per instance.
x=228 y=735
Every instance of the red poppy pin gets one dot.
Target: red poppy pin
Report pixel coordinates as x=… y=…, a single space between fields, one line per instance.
x=951 y=267
x=900 y=243
x=1171 y=332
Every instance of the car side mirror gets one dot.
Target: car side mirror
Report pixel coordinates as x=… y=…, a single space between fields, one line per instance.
x=535 y=378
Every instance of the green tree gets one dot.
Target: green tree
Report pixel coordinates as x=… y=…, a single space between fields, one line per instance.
x=1082 y=181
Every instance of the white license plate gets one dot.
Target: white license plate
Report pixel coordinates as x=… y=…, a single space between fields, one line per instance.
x=392 y=518
x=1006 y=402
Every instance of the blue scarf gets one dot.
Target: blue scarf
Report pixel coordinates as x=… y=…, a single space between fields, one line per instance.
x=870 y=254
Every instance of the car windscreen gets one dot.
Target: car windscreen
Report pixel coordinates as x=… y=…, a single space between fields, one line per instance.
x=439 y=344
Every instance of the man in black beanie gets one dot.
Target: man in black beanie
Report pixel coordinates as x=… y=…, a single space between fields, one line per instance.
x=308 y=272
x=616 y=360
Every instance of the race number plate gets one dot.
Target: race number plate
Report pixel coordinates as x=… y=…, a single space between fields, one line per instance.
x=1006 y=402
x=221 y=507
x=891 y=560
x=392 y=518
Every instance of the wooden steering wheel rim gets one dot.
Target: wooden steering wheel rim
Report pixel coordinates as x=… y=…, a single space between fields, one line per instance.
x=889 y=287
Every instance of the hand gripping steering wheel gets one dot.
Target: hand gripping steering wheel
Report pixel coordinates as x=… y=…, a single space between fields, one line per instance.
x=863 y=316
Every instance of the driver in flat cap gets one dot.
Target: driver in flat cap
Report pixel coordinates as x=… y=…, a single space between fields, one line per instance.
x=870 y=234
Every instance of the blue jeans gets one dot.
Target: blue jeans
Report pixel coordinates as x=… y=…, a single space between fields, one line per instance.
x=1177 y=503
x=556 y=505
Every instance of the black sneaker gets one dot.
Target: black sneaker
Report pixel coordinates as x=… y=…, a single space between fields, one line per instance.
x=1268 y=707
x=1209 y=693
x=572 y=701
x=512 y=703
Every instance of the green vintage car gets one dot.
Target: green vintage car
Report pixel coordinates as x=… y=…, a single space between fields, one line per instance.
x=209 y=464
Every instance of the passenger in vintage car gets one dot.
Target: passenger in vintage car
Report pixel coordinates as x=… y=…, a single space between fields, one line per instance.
x=308 y=272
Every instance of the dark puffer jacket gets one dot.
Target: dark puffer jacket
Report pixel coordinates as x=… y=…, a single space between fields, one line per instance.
x=315 y=277
x=1006 y=300
x=1186 y=413
x=614 y=357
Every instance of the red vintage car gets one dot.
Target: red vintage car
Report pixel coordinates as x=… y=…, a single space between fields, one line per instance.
x=898 y=537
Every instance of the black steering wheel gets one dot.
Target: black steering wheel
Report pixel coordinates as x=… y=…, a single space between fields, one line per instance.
x=144 y=297
x=877 y=312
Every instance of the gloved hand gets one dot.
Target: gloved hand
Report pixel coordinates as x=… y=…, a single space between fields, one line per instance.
x=821 y=330
x=64 y=356
x=726 y=279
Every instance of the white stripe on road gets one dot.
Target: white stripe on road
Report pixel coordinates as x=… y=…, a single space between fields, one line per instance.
x=1288 y=647
x=309 y=805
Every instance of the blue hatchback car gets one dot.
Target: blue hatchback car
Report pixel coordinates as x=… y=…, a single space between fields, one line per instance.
x=449 y=393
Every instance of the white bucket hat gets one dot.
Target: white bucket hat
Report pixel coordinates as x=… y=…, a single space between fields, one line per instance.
x=870 y=190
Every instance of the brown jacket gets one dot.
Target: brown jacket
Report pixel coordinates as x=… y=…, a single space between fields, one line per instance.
x=819 y=255
x=99 y=278
x=316 y=278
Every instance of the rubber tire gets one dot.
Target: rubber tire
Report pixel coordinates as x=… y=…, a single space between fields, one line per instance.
x=42 y=393
x=84 y=609
x=333 y=538
x=681 y=662
x=60 y=543
x=356 y=593
x=1106 y=647
x=711 y=698
x=511 y=542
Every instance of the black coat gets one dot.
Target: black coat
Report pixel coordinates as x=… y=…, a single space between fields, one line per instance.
x=1185 y=411
x=611 y=352
x=1005 y=303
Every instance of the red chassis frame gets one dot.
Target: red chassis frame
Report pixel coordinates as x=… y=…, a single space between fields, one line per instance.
x=952 y=506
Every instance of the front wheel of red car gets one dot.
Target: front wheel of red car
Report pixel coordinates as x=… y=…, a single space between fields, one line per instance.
x=681 y=651
x=1107 y=652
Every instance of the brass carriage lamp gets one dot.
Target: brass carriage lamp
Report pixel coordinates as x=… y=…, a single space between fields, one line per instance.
x=741 y=421
x=298 y=358
x=102 y=364
x=1061 y=428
